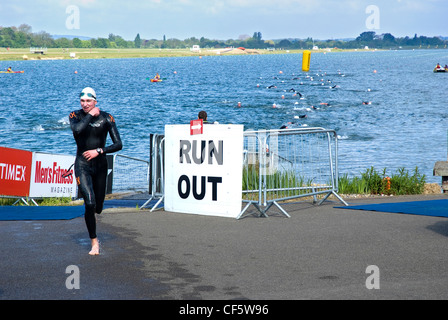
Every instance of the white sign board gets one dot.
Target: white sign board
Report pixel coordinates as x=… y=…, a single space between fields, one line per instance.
x=50 y=178
x=203 y=172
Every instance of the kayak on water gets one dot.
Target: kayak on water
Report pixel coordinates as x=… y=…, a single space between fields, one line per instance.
x=12 y=71
x=155 y=80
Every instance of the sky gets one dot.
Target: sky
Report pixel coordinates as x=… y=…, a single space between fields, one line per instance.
x=228 y=19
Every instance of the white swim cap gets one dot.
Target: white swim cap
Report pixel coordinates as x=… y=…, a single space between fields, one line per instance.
x=88 y=93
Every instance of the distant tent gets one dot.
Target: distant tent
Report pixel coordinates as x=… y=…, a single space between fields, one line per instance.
x=241 y=48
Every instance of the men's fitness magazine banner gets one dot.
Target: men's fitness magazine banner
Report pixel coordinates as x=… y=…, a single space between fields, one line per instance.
x=203 y=172
x=52 y=176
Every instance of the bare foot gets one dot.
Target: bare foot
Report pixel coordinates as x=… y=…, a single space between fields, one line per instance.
x=95 y=247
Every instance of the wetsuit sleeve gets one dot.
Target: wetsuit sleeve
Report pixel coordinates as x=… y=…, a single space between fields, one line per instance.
x=117 y=145
x=77 y=124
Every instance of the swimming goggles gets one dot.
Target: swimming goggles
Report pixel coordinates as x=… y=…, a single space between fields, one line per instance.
x=82 y=94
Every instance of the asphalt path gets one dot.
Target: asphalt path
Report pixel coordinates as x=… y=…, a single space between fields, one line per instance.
x=319 y=253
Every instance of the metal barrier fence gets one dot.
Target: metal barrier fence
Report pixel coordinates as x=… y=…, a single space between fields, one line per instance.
x=129 y=174
x=157 y=170
x=287 y=164
x=278 y=165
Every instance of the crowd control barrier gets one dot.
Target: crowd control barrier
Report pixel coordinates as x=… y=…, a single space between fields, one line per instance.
x=287 y=164
x=128 y=174
x=278 y=165
x=156 y=169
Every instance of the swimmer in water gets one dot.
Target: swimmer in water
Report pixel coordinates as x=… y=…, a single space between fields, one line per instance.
x=285 y=126
x=295 y=92
x=272 y=86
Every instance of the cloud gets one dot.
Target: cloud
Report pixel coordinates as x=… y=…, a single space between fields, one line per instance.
x=257 y=6
x=185 y=18
x=64 y=3
x=302 y=8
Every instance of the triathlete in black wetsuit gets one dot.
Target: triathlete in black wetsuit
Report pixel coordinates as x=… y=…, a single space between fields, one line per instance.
x=90 y=127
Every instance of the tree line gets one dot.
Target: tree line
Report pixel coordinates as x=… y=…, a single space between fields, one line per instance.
x=23 y=37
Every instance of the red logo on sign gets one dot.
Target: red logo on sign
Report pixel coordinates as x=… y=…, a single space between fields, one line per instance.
x=15 y=172
x=196 y=127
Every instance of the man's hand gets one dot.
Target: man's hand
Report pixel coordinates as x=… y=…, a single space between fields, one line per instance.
x=90 y=154
x=95 y=112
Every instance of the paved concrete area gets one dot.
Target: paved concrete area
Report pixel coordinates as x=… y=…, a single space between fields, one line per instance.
x=321 y=252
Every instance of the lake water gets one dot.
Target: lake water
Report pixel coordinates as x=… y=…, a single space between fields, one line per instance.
x=404 y=124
